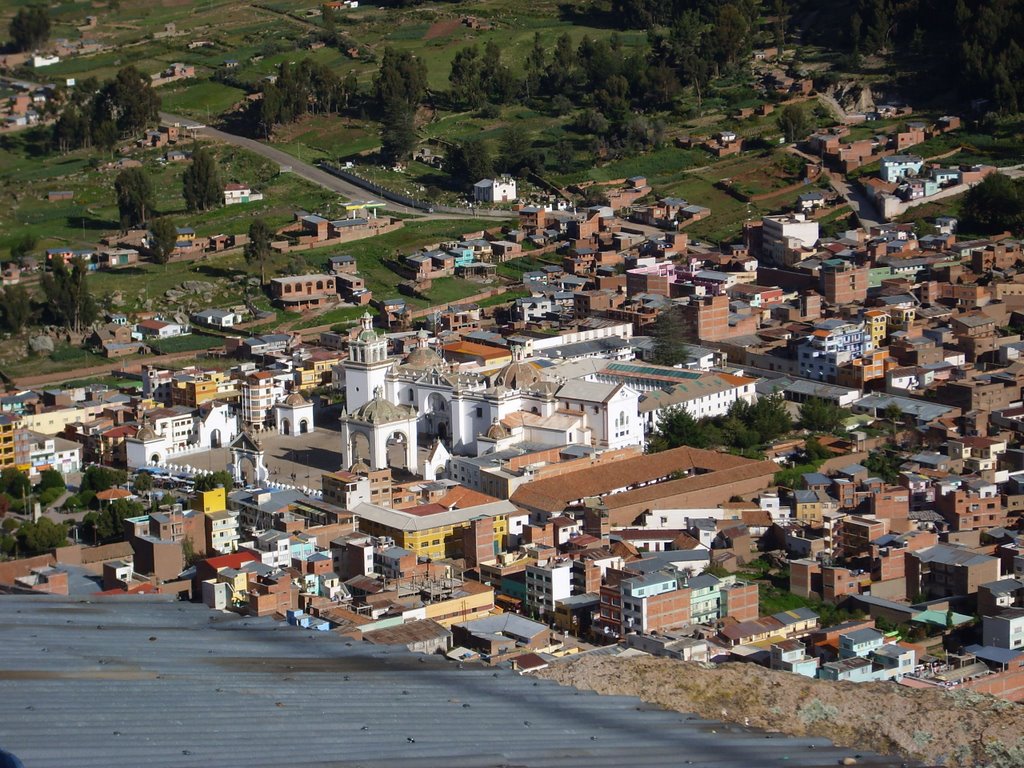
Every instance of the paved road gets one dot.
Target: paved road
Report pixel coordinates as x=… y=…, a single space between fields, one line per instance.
x=855 y=198
x=859 y=202
x=283 y=159
x=320 y=177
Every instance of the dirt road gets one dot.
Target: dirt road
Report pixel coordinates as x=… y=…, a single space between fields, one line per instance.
x=28 y=382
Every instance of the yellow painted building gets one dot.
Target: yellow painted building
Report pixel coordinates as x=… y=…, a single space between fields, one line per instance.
x=210 y=501
x=437 y=535
x=316 y=371
x=13 y=442
x=193 y=391
x=471 y=600
x=876 y=323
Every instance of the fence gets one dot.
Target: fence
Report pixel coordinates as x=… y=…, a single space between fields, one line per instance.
x=377 y=189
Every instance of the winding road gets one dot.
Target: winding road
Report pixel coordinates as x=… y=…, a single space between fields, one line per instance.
x=319 y=176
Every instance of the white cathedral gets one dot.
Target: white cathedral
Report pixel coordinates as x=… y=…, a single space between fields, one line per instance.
x=392 y=403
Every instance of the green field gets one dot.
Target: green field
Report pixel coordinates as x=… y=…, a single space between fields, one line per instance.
x=200 y=99
x=92 y=214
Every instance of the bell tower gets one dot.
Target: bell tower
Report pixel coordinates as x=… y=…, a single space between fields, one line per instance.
x=367 y=364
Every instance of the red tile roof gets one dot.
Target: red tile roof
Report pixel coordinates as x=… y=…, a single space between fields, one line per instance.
x=423 y=510
x=235 y=560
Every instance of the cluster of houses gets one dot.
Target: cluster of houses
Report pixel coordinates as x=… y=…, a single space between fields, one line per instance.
x=489 y=468
x=25 y=107
x=906 y=180
x=839 y=151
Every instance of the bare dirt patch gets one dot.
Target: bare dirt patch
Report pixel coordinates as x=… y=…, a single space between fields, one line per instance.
x=952 y=728
x=441 y=29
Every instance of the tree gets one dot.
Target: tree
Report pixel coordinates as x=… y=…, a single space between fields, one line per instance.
x=68 y=301
x=134 y=197
x=794 y=122
x=15 y=483
x=257 y=250
x=29 y=28
x=779 y=11
x=24 y=245
x=329 y=23
x=469 y=161
x=815 y=451
x=467 y=78
x=142 y=482
x=97 y=478
x=995 y=205
x=768 y=416
x=211 y=480
x=107 y=524
x=128 y=100
x=731 y=34
x=163 y=239
x=670 y=331
x=41 y=536
x=819 y=415
x=15 y=308
x=515 y=152
x=677 y=428
x=883 y=464
x=894 y=415
x=202 y=189
x=50 y=478
x=398 y=133
x=401 y=80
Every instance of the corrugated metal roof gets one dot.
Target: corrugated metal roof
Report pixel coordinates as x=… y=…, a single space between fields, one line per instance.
x=147 y=682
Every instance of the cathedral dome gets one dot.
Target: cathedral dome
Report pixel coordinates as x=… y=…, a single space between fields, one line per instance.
x=423 y=358
x=295 y=399
x=517 y=375
x=497 y=431
x=146 y=434
x=380 y=410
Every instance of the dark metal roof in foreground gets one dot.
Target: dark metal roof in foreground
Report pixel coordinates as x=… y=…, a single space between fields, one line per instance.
x=146 y=682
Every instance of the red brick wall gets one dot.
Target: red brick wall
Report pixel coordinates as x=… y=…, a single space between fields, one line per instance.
x=670 y=609
x=742 y=602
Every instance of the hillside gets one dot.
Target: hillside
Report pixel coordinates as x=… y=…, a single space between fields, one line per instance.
x=954 y=728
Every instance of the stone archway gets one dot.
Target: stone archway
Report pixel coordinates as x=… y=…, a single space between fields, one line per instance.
x=245 y=447
x=359 y=448
x=286 y=427
x=303 y=426
x=398 y=450
x=216 y=441
x=247 y=470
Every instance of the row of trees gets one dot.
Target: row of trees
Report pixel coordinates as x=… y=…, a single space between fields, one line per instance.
x=102 y=114
x=297 y=90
